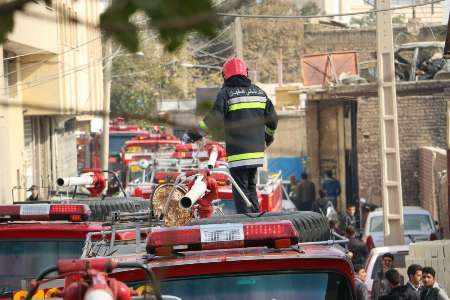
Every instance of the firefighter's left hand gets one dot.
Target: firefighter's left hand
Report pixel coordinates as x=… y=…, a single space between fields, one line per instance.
x=269 y=139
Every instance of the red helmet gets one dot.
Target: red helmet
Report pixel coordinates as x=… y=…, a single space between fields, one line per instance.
x=234 y=66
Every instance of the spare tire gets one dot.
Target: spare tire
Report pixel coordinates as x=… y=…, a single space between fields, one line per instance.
x=311 y=226
x=101 y=209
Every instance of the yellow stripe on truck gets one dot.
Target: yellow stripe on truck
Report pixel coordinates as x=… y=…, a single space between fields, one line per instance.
x=247 y=105
x=244 y=156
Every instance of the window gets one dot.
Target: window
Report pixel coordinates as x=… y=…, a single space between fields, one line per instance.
x=26 y=259
x=256 y=286
x=413 y=222
x=399 y=262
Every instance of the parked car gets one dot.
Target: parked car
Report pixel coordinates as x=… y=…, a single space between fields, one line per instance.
x=373 y=264
x=419 y=226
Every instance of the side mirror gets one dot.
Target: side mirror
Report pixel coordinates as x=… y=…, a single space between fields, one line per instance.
x=143 y=164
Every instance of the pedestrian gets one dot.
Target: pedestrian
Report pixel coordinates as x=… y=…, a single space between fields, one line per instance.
x=380 y=286
x=357 y=247
x=331 y=186
x=432 y=290
x=322 y=203
x=349 y=218
x=394 y=280
x=292 y=186
x=247 y=117
x=413 y=289
x=34 y=193
x=305 y=194
x=361 y=290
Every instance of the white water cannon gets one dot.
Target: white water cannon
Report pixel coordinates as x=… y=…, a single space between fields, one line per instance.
x=213 y=157
x=76 y=180
x=196 y=192
x=94 y=182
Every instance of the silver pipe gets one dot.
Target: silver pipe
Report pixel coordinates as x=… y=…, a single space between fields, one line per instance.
x=236 y=186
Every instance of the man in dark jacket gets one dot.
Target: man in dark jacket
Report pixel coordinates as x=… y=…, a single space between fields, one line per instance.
x=305 y=194
x=432 y=290
x=357 y=247
x=394 y=280
x=249 y=121
x=381 y=285
x=413 y=289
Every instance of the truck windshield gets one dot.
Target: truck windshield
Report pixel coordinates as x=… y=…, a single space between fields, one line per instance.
x=413 y=222
x=21 y=260
x=258 y=286
x=116 y=142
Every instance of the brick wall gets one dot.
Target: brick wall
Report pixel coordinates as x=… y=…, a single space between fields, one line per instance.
x=433 y=184
x=318 y=40
x=422 y=122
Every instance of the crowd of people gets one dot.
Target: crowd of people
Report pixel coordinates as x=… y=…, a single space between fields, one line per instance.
x=388 y=283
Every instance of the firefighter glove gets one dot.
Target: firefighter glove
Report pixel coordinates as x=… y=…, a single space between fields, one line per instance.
x=269 y=139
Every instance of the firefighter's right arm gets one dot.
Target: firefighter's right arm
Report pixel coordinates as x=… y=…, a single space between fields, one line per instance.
x=213 y=119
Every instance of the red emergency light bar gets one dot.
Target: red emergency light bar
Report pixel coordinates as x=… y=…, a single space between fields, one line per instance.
x=165 y=241
x=45 y=212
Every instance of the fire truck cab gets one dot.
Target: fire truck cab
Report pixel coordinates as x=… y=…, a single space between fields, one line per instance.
x=36 y=235
x=261 y=260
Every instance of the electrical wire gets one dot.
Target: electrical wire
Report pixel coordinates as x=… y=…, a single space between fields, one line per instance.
x=52 y=56
x=33 y=83
x=328 y=15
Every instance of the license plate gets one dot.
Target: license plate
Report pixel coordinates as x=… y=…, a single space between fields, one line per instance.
x=34 y=209
x=221 y=233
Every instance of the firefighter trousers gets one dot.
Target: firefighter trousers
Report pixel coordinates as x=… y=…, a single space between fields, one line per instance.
x=246 y=180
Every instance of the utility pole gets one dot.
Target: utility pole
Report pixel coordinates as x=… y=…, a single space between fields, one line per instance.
x=390 y=150
x=280 y=66
x=447 y=58
x=106 y=104
x=238 y=41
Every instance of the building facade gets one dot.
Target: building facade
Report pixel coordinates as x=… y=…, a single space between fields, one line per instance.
x=51 y=78
x=429 y=14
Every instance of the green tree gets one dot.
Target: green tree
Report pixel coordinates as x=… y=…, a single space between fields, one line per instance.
x=172 y=19
x=310 y=9
x=141 y=80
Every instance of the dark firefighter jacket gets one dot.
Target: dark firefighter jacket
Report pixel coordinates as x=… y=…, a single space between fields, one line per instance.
x=248 y=119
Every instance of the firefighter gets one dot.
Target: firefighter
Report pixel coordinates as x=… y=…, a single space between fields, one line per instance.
x=248 y=119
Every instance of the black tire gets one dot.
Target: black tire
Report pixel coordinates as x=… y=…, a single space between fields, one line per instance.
x=102 y=209
x=311 y=226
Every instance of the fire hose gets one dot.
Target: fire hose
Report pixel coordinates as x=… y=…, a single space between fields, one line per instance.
x=88 y=279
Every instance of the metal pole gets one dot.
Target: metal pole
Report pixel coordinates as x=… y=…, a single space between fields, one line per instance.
x=390 y=150
x=447 y=57
x=106 y=105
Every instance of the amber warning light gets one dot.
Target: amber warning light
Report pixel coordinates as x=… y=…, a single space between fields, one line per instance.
x=165 y=241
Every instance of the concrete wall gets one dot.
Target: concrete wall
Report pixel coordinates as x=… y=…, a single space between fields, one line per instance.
x=433 y=184
x=422 y=122
x=59 y=72
x=288 y=151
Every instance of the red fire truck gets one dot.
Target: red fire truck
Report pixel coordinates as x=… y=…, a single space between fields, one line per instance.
x=255 y=260
x=33 y=236
x=119 y=133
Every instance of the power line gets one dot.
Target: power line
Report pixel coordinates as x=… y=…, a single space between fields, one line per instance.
x=328 y=15
x=50 y=58
x=32 y=83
